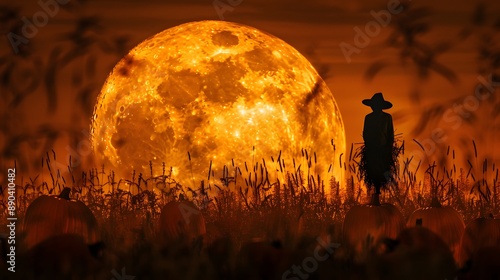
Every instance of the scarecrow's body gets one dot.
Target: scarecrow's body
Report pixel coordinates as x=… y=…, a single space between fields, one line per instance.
x=378 y=133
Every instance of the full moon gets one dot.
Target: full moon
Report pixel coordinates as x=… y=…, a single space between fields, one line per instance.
x=209 y=94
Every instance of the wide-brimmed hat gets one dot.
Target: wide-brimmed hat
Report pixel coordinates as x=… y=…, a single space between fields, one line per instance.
x=378 y=99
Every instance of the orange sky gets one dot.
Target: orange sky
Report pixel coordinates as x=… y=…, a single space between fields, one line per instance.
x=314 y=28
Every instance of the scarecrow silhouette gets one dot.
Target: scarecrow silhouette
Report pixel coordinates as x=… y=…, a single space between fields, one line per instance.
x=378 y=157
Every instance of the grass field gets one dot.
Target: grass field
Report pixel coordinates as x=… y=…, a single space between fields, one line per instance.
x=257 y=228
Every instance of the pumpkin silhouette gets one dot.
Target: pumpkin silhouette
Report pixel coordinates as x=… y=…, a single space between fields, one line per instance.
x=365 y=225
x=417 y=253
x=181 y=223
x=479 y=233
x=483 y=264
x=64 y=256
x=261 y=259
x=48 y=216
x=443 y=221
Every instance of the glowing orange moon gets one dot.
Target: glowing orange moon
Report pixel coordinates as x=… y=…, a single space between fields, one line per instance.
x=224 y=92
